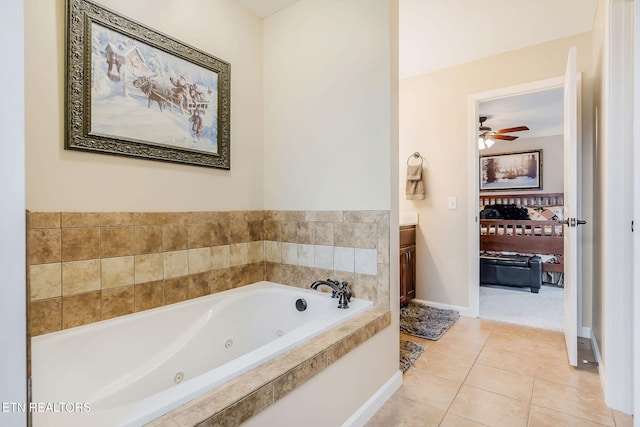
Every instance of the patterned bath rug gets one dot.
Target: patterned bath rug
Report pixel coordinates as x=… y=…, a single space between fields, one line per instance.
x=409 y=352
x=426 y=322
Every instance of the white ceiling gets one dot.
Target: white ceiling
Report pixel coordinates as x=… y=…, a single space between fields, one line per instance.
x=264 y=8
x=542 y=112
x=437 y=34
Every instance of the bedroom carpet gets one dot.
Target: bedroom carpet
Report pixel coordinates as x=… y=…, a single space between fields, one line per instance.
x=426 y=322
x=544 y=310
x=409 y=352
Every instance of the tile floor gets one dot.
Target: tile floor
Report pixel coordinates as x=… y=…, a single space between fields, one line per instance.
x=486 y=373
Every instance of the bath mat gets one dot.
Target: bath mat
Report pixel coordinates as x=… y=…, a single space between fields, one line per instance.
x=409 y=352
x=426 y=322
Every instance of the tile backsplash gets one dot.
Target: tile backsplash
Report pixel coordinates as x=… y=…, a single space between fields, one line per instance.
x=84 y=267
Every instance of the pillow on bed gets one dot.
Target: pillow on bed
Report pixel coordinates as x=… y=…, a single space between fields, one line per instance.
x=556 y=211
x=536 y=215
x=504 y=212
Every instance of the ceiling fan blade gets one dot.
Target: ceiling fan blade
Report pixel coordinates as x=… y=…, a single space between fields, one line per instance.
x=504 y=137
x=516 y=129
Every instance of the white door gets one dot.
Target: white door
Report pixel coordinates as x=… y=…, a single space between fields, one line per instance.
x=570 y=208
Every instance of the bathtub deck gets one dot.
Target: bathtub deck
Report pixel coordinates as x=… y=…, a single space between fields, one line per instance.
x=257 y=389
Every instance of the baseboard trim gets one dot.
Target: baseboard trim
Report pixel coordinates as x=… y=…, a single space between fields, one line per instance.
x=596 y=353
x=464 y=311
x=585 y=332
x=375 y=402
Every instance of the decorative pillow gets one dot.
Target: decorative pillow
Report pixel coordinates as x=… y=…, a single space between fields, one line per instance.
x=548 y=214
x=558 y=212
x=536 y=215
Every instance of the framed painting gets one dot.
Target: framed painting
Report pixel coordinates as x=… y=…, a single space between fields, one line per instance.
x=511 y=171
x=133 y=91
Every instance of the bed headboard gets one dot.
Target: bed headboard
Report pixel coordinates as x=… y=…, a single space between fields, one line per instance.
x=533 y=200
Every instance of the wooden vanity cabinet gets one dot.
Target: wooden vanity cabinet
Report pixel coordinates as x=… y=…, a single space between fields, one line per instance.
x=407 y=263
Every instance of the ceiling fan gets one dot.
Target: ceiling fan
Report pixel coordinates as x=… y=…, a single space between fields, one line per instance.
x=487 y=137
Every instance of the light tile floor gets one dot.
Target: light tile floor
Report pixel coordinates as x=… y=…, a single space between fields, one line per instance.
x=486 y=373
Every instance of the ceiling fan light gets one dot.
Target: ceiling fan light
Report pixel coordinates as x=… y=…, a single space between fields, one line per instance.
x=489 y=142
x=481 y=144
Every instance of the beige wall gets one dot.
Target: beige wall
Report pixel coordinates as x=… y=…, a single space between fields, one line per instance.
x=433 y=121
x=60 y=180
x=327 y=146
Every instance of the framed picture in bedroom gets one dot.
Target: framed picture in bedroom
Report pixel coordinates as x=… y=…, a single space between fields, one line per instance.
x=133 y=91
x=520 y=170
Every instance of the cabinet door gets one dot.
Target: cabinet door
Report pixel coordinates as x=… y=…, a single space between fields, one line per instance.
x=411 y=273
x=405 y=274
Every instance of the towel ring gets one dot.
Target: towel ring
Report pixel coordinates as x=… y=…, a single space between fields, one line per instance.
x=417 y=156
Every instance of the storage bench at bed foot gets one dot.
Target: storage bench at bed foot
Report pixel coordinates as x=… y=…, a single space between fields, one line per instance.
x=520 y=271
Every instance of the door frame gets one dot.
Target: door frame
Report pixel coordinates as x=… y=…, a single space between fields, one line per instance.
x=617 y=328
x=474 y=191
x=636 y=213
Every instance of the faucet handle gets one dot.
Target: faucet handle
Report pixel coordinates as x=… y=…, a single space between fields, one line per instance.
x=346 y=289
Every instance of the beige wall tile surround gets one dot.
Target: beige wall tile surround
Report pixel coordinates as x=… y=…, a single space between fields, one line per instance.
x=81 y=309
x=149 y=295
x=175 y=237
x=117 y=302
x=238 y=254
x=149 y=267
x=117 y=241
x=220 y=257
x=117 y=272
x=46 y=280
x=89 y=266
x=273 y=251
x=177 y=289
x=80 y=243
x=44 y=246
x=43 y=220
x=46 y=316
x=199 y=260
x=80 y=276
x=255 y=252
x=198 y=285
x=199 y=235
x=176 y=264
x=149 y=239
x=324 y=233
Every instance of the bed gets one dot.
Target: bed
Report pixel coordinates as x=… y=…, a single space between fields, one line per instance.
x=540 y=234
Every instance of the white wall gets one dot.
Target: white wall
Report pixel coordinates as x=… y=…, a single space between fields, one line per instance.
x=330 y=75
x=62 y=180
x=13 y=327
x=552 y=160
x=433 y=121
x=327 y=146
x=332 y=396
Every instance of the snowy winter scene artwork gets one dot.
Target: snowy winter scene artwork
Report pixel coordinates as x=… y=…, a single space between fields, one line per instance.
x=147 y=95
x=511 y=171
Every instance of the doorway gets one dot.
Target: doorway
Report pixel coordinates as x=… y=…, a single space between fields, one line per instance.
x=522 y=182
x=475 y=104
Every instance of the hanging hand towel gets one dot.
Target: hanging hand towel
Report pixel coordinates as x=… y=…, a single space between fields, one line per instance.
x=415 y=186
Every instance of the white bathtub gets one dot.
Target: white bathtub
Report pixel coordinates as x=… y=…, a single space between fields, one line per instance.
x=128 y=369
